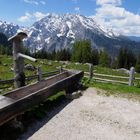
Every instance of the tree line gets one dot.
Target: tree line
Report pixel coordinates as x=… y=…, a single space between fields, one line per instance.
x=5 y=46
x=82 y=52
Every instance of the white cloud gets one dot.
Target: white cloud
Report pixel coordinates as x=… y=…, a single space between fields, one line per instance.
x=113 y=16
x=77 y=9
x=43 y=2
x=25 y=18
x=103 y=2
x=35 y=2
x=28 y=17
x=39 y=15
x=31 y=2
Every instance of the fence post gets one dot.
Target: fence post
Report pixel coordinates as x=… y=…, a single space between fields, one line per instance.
x=131 y=76
x=39 y=72
x=61 y=69
x=90 y=71
x=18 y=61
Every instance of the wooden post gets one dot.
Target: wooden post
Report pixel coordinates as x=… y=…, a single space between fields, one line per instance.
x=18 y=58
x=18 y=61
x=61 y=69
x=39 y=72
x=90 y=71
x=131 y=76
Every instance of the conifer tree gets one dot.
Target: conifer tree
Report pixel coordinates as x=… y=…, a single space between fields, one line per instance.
x=104 y=59
x=81 y=51
x=95 y=57
x=126 y=58
x=138 y=63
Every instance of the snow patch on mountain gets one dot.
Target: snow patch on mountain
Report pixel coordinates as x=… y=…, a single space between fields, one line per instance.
x=61 y=31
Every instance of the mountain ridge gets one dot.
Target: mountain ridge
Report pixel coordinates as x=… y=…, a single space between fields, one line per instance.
x=61 y=31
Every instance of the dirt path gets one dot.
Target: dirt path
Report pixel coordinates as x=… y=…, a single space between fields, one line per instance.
x=94 y=117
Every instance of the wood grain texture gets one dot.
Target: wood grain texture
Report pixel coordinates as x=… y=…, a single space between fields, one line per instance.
x=26 y=97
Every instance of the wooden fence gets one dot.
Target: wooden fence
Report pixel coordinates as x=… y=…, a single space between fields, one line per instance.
x=29 y=78
x=112 y=78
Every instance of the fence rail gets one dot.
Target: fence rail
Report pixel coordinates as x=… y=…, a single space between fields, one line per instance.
x=112 y=81
x=97 y=76
x=111 y=76
x=107 y=78
x=29 y=78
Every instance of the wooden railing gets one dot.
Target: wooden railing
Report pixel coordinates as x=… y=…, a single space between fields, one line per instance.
x=113 y=78
x=29 y=78
x=95 y=77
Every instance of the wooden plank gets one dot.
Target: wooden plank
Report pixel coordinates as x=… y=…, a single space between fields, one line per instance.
x=29 y=89
x=112 y=81
x=38 y=95
x=111 y=76
x=136 y=78
x=9 y=81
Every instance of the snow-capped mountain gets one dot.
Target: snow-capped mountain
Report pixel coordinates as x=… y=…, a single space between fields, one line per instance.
x=8 y=29
x=60 y=31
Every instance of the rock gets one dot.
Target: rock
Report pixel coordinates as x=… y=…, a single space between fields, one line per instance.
x=74 y=95
x=64 y=66
x=50 y=63
x=77 y=63
x=11 y=69
x=30 y=67
x=123 y=70
x=41 y=62
x=87 y=63
x=5 y=64
x=64 y=62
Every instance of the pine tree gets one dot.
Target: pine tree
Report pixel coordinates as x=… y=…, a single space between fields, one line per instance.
x=138 y=63
x=95 y=57
x=121 y=58
x=104 y=60
x=126 y=58
x=5 y=46
x=82 y=51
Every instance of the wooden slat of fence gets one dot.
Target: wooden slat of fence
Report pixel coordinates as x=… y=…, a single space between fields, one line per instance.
x=113 y=81
x=7 y=81
x=30 y=77
x=137 y=78
x=111 y=76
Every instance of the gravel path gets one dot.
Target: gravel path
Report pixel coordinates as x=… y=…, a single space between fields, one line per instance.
x=94 y=117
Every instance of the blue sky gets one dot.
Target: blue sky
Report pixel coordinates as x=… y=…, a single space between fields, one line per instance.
x=121 y=16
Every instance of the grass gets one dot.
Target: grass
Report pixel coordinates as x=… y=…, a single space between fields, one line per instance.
x=118 y=88
x=48 y=65
x=78 y=66
x=7 y=63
